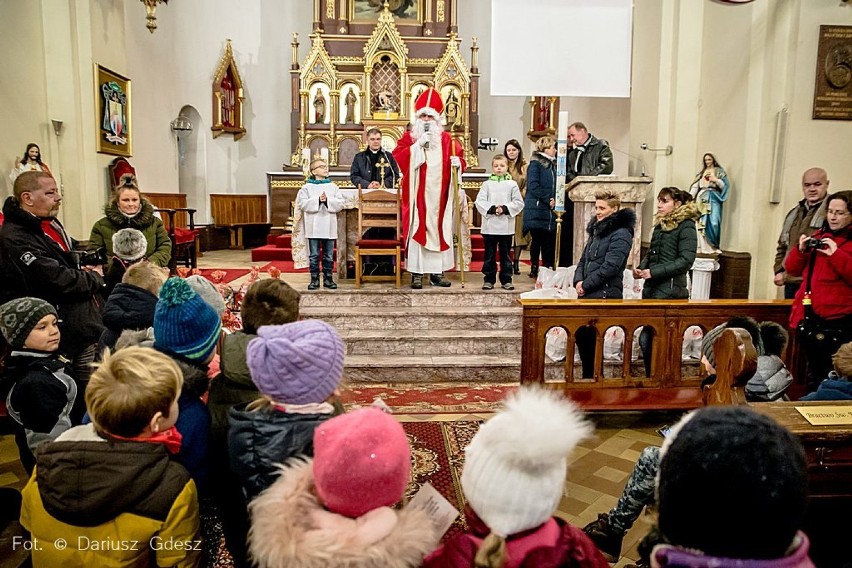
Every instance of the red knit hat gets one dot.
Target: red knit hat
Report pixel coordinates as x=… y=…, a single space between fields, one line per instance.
x=429 y=102
x=362 y=461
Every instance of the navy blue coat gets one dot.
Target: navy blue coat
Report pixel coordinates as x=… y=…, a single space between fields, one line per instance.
x=541 y=188
x=128 y=307
x=259 y=441
x=601 y=267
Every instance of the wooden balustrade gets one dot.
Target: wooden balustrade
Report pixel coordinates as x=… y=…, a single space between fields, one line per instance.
x=236 y=211
x=668 y=386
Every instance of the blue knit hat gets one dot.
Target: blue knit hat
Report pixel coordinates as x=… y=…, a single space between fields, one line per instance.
x=184 y=324
x=296 y=363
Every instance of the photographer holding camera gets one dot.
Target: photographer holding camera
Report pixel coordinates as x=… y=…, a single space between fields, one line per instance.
x=38 y=259
x=822 y=311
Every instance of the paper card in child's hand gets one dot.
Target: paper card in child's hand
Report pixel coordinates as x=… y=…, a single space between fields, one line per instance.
x=440 y=511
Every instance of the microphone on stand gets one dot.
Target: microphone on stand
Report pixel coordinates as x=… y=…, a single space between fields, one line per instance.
x=391 y=164
x=629 y=155
x=426 y=130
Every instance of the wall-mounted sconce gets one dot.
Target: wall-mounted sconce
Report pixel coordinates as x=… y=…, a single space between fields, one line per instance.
x=57 y=126
x=668 y=149
x=181 y=126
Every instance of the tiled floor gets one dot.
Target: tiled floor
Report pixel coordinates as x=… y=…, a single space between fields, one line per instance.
x=598 y=469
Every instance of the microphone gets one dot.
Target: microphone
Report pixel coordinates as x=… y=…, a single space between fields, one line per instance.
x=426 y=130
x=391 y=164
x=641 y=161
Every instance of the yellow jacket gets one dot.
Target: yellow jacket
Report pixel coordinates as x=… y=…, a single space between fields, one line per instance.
x=96 y=502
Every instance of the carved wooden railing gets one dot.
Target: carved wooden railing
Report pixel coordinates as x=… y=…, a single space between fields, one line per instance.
x=668 y=386
x=236 y=211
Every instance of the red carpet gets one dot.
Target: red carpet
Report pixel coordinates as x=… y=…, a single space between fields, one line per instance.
x=437 y=457
x=231 y=274
x=285 y=266
x=430 y=399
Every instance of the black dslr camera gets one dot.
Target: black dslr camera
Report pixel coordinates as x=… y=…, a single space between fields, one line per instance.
x=95 y=257
x=813 y=244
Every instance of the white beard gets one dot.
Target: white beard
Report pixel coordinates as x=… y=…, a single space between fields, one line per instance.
x=435 y=130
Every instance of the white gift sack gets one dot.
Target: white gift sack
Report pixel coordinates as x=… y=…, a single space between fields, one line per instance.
x=555 y=344
x=692 y=339
x=613 y=346
x=636 y=351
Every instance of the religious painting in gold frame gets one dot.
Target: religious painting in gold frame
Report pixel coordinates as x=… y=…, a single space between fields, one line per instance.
x=228 y=97
x=112 y=116
x=402 y=10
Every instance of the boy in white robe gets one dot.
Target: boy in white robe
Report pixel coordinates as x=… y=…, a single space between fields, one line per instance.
x=320 y=200
x=499 y=201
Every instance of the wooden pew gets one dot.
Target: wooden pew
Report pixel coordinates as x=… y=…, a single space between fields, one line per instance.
x=235 y=212
x=736 y=363
x=828 y=450
x=669 y=387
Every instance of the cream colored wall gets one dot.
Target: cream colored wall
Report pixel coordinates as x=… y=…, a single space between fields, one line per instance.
x=23 y=112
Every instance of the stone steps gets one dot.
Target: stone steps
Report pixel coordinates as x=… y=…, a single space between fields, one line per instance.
x=472 y=318
x=406 y=297
x=435 y=335
x=432 y=342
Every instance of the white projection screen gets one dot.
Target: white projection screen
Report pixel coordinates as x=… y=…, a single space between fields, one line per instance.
x=571 y=48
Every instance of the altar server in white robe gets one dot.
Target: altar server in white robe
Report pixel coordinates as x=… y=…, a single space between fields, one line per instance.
x=320 y=200
x=499 y=202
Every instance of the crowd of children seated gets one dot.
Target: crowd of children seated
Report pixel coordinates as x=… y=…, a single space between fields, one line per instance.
x=267 y=452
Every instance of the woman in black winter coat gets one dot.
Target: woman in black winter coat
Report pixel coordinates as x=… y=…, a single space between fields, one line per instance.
x=539 y=220
x=674 y=243
x=600 y=272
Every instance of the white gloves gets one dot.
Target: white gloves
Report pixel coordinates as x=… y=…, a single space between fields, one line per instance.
x=455 y=161
x=424 y=140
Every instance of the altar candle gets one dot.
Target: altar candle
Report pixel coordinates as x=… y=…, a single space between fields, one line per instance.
x=561 y=158
x=306 y=157
x=324 y=154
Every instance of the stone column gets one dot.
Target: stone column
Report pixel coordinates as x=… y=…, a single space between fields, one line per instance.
x=702 y=272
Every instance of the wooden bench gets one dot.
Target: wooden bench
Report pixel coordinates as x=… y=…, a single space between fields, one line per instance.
x=235 y=212
x=668 y=387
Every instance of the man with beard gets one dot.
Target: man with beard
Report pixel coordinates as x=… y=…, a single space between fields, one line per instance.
x=37 y=260
x=426 y=155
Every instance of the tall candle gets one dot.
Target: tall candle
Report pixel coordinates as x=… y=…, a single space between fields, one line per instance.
x=561 y=158
x=324 y=154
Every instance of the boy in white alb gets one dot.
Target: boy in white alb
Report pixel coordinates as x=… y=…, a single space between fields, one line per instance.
x=320 y=200
x=499 y=201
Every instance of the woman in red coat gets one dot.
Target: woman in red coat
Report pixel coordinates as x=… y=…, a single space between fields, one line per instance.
x=825 y=261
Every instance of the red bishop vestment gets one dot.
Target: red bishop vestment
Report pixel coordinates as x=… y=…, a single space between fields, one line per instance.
x=431 y=225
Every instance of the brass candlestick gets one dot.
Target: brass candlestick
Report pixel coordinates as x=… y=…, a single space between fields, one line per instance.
x=558 y=237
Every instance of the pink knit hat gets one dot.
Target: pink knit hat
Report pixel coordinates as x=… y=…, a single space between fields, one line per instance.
x=362 y=461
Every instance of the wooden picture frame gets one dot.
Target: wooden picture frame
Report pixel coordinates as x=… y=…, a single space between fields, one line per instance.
x=113 y=113
x=833 y=88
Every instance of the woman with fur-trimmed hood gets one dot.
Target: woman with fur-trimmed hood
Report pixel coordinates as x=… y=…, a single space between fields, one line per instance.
x=335 y=510
x=127 y=209
x=674 y=243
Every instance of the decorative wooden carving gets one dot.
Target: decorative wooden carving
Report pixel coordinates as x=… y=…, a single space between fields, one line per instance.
x=228 y=97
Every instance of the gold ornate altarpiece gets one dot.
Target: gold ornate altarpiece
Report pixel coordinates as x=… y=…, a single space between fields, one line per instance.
x=366 y=64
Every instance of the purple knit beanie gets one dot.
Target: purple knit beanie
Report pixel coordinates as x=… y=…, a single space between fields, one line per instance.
x=296 y=363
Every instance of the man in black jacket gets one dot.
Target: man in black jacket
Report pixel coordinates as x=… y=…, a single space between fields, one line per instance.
x=365 y=171
x=37 y=260
x=588 y=156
